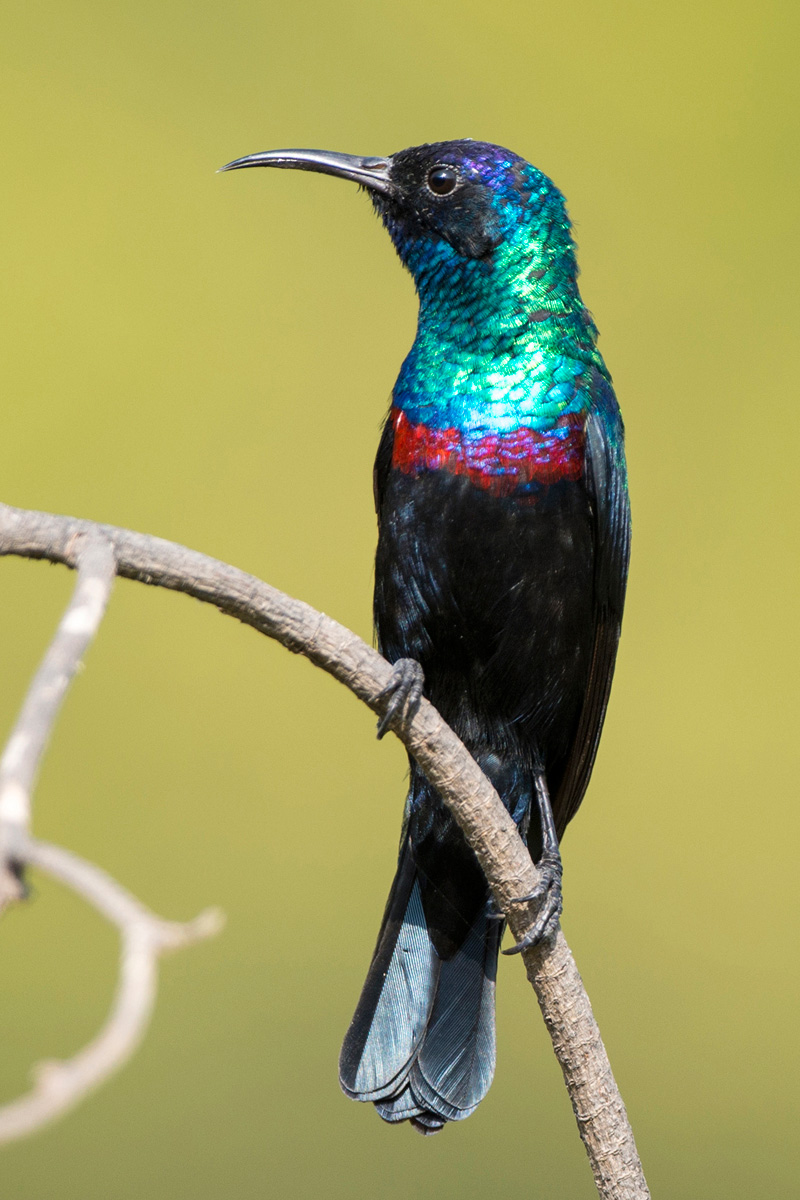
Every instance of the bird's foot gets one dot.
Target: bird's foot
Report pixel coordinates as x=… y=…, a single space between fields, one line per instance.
x=403 y=692
x=548 y=901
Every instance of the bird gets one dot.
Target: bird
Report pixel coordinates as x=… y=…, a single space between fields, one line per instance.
x=503 y=545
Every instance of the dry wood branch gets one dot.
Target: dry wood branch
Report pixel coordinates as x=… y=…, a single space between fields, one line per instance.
x=94 y=560
x=58 y=1086
x=22 y=756
x=599 y=1110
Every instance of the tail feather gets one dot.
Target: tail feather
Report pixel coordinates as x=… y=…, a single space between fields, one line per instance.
x=455 y=1064
x=404 y=1108
x=393 y=1011
x=421 y=1045
x=399 y=1108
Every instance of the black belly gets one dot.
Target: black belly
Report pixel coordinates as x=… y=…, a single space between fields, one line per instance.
x=494 y=598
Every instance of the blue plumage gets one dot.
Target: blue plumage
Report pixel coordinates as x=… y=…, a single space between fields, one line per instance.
x=422 y=1042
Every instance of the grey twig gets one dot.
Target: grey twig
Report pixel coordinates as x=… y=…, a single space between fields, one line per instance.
x=94 y=560
x=58 y=1086
x=599 y=1110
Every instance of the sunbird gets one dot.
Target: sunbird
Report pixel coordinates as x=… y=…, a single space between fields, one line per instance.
x=504 y=532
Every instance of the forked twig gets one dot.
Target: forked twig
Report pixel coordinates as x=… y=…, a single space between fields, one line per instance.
x=58 y=1086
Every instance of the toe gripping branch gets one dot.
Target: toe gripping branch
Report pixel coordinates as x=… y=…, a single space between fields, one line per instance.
x=547 y=898
x=402 y=693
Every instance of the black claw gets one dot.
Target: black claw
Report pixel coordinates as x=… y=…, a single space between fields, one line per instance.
x=403 y=692
x=548 y=896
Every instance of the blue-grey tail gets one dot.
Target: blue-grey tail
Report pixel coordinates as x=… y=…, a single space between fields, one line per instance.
x=421 y=1045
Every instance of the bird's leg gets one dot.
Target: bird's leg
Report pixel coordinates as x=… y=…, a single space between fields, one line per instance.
x=548 y=891
x=403 y=692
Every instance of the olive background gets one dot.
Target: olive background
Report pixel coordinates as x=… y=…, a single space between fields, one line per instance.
x=209 y=358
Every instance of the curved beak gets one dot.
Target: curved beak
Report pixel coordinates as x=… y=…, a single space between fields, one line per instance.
x=372 y=173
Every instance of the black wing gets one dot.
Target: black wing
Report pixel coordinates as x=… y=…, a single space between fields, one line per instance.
x=383 y=464
x=606 y=480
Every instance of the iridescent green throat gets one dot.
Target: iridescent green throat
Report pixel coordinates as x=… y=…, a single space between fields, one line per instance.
x=502 y=343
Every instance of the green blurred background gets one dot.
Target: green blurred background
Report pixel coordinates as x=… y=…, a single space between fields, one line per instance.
x=209 y=358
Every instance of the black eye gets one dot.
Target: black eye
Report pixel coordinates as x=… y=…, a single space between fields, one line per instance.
x=442 y=180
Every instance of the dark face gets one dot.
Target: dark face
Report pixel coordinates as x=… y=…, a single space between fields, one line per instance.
x=448 y=190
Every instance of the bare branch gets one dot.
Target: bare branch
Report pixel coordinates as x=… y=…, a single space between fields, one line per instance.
x=61 y=1085
x=94 y=559
x=599 y=1110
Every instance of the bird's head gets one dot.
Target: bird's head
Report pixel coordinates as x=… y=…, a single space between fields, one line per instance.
x=459 y=208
